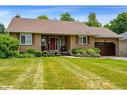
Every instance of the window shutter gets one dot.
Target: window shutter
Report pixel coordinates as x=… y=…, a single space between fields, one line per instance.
x=88 y=41
x=18 y=36
x=76 y=39
x=33 y=39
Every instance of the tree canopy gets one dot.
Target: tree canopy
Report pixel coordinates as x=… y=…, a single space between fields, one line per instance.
x=66 y=17
x=17 y=16
x=43 y=17
x=118 y=25
x=92 y=20
x=2 y=28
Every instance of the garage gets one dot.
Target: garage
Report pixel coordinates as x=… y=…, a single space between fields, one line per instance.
x=106 y=48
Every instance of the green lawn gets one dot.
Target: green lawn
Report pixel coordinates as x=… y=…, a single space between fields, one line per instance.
x=62 y=73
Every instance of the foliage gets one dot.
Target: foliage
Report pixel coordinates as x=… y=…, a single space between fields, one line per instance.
x=42 y=17
x=118 y=25
x=36 y=52
x=92 y=21
x=26 y=55
x=66 y=17
x=31 y=50
x=8 y=46
x=97 y=50
x=91 y=52
x=2 y=54
x=45 y=53
x=17 y=16
x=77 y=51
x=2 y=28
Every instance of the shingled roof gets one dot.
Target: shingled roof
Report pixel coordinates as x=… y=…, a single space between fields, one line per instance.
x=18 y=25
x=123 y=36
x=103 y=32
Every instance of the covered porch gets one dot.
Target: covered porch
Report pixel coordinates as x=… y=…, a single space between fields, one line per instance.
x=55 y=43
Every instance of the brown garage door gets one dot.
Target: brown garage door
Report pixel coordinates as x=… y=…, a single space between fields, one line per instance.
x=107 y=49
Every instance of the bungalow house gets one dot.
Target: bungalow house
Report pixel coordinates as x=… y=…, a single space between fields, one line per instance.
x=123 y=44
x=62 y=36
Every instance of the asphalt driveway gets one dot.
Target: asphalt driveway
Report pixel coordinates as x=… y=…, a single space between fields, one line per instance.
x=103 y=57
x=115 y=57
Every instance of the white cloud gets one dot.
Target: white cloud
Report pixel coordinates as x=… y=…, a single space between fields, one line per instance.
x=4 y=13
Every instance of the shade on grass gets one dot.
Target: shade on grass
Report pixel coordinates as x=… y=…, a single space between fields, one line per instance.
x=63 y=73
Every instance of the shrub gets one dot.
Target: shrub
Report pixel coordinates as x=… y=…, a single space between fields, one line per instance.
x=2 y=55
x=8 y=46
x=91 y=52
x=25 y=55
x=31 y=50
x=45 y=53
x=36 y=52
x=76 y=50
x=97 y=50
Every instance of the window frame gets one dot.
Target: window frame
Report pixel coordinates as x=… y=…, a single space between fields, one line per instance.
x=45 y=41
x=81 y=43
x=26 y=37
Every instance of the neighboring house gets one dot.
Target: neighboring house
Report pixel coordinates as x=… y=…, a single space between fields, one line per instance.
x=62 y=36
x=123 y=44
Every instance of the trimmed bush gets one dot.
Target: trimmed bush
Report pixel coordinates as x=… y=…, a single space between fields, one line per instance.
x=97 y=50
x=77 y=51
x=36 y=52
x=31 y=50
x=25 y=55
x=91 y=52
x=8 y=46
x=45 y=53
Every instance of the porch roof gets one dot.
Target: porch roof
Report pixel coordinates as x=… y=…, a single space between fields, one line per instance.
x=18 y=25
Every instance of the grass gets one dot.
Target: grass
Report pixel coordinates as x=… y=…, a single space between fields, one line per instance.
x=63 y=73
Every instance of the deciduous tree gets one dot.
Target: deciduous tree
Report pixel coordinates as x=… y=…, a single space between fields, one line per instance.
x=118 y=25
x=92 y=20
x=43 y=17
x=2 y=28
x=66 y=17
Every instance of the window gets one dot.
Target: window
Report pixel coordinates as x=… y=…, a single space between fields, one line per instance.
x=25 y=39
x=82 y=40
x=59 y=43
x=43 y=40
x=63 y=41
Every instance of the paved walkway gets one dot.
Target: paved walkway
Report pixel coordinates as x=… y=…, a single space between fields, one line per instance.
x=115 y=57
x=102 y=57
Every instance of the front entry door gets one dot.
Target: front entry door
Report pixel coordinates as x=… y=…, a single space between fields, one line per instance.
x=52 y=43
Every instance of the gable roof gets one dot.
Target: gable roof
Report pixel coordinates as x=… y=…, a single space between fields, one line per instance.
x=18 y=25
x=123 y=36
x=46 y=26
x=103 y=32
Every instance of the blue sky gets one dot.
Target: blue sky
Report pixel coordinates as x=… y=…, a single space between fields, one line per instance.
x=104 y=13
